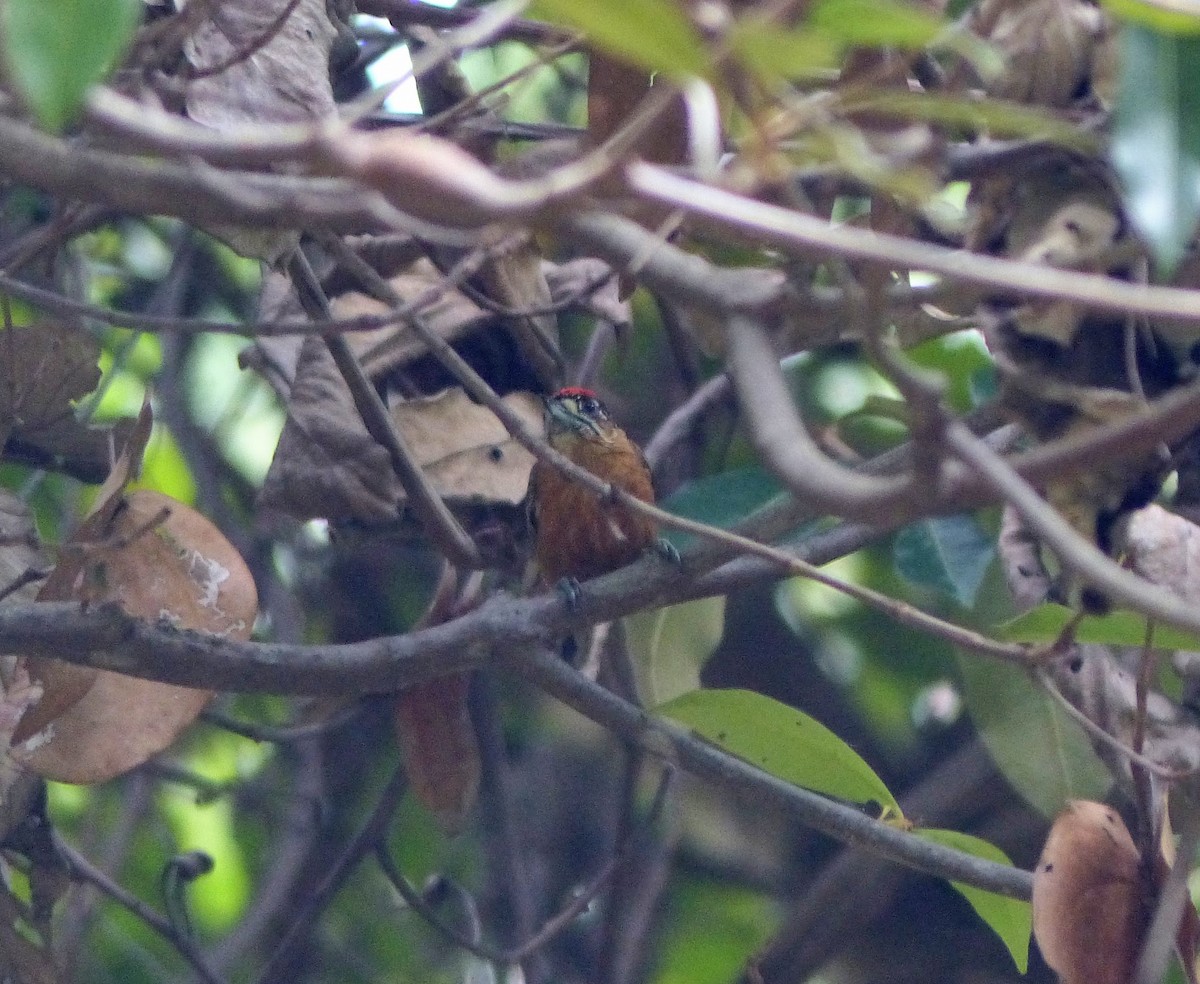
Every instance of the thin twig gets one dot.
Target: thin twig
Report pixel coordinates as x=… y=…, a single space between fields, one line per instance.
x=83 y=870
x=428 y=506
x=364 y=842
x=508 y=956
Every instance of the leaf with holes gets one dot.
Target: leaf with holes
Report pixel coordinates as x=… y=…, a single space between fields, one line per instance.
x=782 y=741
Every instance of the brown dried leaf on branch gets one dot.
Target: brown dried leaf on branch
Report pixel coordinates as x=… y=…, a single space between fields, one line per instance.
x=1089 y=891
x=240 y=82
x=44 y=368
x=327 y=465
x=159 y=560
x=1054 y=51
x=465 y=450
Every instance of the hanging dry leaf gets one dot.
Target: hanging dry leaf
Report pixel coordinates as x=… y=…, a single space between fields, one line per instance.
x=590 y=284
x=326 y=464
x=44 y=368
x=64 y=684
x=438 y=746
x=160 y=560
x=446 y=312
x=1051 y=48
x=1089 y=910
x=285 y=80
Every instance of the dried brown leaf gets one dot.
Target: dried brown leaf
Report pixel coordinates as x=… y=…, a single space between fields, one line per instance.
x=160 y=560
x=439 y=749
x=446 y=311
x=592 y=285
x=465 y=449
x=285 y=80
x=1051 y=48
x=1089 y=912
x=326 y=464
x=44 y=368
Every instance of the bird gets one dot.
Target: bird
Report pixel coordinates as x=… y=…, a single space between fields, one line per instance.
x=578 y=535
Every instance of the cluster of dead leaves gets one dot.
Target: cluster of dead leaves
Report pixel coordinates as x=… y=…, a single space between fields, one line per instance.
x=152 y=556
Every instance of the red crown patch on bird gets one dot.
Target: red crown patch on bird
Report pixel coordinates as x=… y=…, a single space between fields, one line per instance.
x=574 y=391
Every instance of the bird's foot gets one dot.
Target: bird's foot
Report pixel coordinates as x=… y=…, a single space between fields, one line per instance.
x=569 y=588
x=667 y=551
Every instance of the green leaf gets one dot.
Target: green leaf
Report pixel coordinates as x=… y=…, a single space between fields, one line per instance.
x=1044 y=755
x=55 y=52
x=946 y=553
x=671 y=645
x=1156 y=137
x=721 y=500
x=994 y=115
x=1010 y=919
x=711 y=930
x=780 y=740
x=774 y=52
x=1119 y=628
x=1169 y=18
x=883 y=23
x=654 y=34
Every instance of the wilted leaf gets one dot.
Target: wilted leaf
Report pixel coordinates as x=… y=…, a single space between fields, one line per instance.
x=1088 y=897
x=448 y=313
x=590 y=284
x=1010 y=919
x=159 y=560
x=286 y=80
x=782 y=741
x=326 y=464
x=64 y=684
x=671 y=645
x=463 y=447
x=1156 y=137
x=439 y=749
x=55 y=52
x=1044 y=754
x=950 y=554
x=1049 y=47
x=44 y=368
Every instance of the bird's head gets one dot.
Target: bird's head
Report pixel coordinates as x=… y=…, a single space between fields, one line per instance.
x=577 y=411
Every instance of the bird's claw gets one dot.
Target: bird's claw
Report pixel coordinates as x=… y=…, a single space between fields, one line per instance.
x=569 y=588
x=667 y=551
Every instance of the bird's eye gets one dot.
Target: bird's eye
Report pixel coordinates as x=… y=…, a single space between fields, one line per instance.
x=590 y=406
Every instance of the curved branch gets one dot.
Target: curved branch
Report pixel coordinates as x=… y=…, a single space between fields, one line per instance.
x=788 y=451
x=727 y=212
